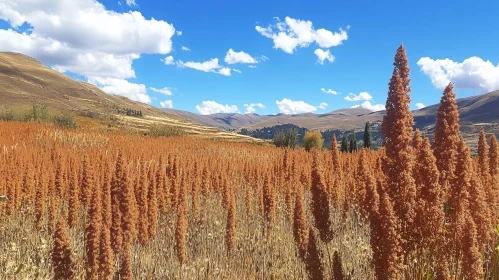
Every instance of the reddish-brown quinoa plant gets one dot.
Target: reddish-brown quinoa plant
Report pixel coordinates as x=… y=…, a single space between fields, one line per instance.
x=88 y=180
x=152 y=211
x=106 y=256
x=446 y=137
x=397 y=129
x=494 y=174
x=62 y=260
x=430 y=213
x=320 y=202
x=74 y=201
x=269 y=201
x=337 y=186
x=230 y=229
x=313 y=262
x=389 y=241
x=142 y=203
x=41 y=197
x=181 y=223
x=128 y=210
x=125 y=271
x=117 y=186
x=300 y=224
x=92 y=235
x=472 y=258
x=337 y=268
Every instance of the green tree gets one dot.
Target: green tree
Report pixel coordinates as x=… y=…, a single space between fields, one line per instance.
x=367 y=136
x=312 y=140
x=344 y=144
x=353 y=143
x=286 y=138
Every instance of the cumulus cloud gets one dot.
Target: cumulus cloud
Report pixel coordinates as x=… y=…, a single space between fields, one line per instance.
x=166 y=104
x=224 y=71
x=250 y=108
x=168 y=60
x=212 y=107
x=287 y=106
x=165 y=91
x=207 y=66
x=179 y=33
x=323 y=55
x=472 y=73
x=136 y=92
x=323 y=105
x=233 y=57
x=362 y=96
x=252 y=66
x=420 y=105
x=237 y=70
x=369 y=106
x=329 y=91
x=185 y=48
x=131 y=3
x=83 y=37
x=292 y=33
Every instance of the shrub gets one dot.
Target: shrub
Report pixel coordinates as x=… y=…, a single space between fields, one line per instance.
x=65 y=120
x=161 y=130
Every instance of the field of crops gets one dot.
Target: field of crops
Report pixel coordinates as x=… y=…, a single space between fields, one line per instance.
x=78 y=204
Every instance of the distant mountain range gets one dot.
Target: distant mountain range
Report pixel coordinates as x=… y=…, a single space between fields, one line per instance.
x=475 y=112
x=481 y=109
x=223 y=121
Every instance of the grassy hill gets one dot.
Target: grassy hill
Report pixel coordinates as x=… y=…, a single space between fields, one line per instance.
x=24 y=81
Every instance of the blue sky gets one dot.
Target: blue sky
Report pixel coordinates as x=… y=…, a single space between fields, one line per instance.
x=122 y=47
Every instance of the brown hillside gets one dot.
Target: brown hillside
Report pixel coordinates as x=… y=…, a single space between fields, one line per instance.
x=25 y=81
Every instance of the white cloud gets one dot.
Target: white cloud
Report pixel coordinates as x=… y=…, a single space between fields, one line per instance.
x=329 y=91
x=82 y=37
x=166 y=104
x=224 y=71
x=252 y=66
x=212 y=107
x=287 y=106
x=250 y=108
x=420 y=105
x=185 y=48
x=323 y=105
x=237 y=70
x=207 y=66
x=179 y=33
x=131 y=3
x=168 y=60
x=369 y=106
x=362 y=96
x=263 y=58
x=293 y=33
x=472 y=73
x=323 y=55
x=136 y=92
x=233 y=57
x=165 y=91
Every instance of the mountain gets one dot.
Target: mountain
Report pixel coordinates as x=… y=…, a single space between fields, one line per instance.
x=221 y=120
x=25 y=81
x=475 y=112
